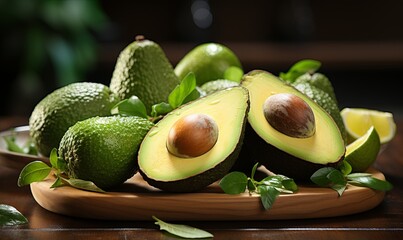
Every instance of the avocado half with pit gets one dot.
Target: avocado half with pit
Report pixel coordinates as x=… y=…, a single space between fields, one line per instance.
x=288 y=132
x=196 y=144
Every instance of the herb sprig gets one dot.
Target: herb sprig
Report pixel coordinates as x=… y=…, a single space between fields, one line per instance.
x=338 y=179
x=269 y=188
x=37 y=171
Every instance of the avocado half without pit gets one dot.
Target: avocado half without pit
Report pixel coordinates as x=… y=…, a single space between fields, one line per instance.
x=196 y=144
x=288 y=132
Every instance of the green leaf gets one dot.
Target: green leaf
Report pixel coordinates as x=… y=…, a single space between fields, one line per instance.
x=179 y=94
x=320 y=177
x=234 y=183
x=84 y=185
x=10 y=216
x=268 y=195
x=183 y=231
x=160 y=109
x=345 y=168
x=289 y=184
x=33 y=172
x=53 y=158
x=299 y=68
x=252 y=175
x=58 y=183
x=233 y=73
x=195 y=94
x=132 y=106
x=370 y=182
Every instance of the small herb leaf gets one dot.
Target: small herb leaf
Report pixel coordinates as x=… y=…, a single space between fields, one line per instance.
x=234 y=183
x=10 y=216
x=53 y=158
x=183 y=231
x=320 y=176
x=300 y=68
x=268 y=195
x=160 y=109
x=82 y=184
x=132 y=106
x=179 y=94
x=370 y=182
x=12 y=145
x=33 y=172
x=233 y=73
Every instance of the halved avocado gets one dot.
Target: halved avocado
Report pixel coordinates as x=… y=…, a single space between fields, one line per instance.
x=297 y=156
x=190 y=171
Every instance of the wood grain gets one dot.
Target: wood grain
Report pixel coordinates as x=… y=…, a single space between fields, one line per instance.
x=136 y=200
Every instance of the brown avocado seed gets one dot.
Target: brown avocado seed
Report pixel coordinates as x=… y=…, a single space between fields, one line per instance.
x=192 y=136
x=290 y=115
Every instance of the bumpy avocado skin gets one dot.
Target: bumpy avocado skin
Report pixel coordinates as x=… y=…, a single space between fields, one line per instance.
x=65 y=106
x=142 y=69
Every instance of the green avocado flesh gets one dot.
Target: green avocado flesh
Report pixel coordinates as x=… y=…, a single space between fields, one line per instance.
x=168 y=172
x=294 y=157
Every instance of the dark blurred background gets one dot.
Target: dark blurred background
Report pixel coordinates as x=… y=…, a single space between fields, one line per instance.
x=47 y=44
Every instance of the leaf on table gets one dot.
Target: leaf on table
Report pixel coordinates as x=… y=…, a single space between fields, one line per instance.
x=183 y=231
x=10 y=216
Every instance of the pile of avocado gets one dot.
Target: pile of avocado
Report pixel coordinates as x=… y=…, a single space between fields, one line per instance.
x=292 y=127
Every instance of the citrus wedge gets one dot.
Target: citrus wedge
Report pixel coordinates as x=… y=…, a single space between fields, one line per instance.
x=358 y=120
x=362 y=153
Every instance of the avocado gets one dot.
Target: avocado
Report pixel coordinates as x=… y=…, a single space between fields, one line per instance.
x=320 y=81
x=326 y=102
x=103 y=149
x=142 y=69
x=215 y=85
x=287 y=131
x=197 y=143
x=65 y=106
x=208 y=61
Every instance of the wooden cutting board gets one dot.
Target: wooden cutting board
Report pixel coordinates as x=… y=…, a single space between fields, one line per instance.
x=136 y=200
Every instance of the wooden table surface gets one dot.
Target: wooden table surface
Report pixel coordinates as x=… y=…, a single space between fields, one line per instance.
x=383 y=222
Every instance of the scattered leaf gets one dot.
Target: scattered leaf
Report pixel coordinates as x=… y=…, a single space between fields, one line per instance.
x=33 y=172
x=183 y=231
x=10 y=216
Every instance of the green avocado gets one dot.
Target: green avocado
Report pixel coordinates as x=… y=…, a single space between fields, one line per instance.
x=208 y=61
x=103 y=149
x=170 y=156
x=319 y=81
x=65 y=106
x=215 y=85
x=142 y=69
x=283 y=138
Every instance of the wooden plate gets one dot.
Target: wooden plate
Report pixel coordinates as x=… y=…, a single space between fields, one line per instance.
x=12 y=159
x=136 y=200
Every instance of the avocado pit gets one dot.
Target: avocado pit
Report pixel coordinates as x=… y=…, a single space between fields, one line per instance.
x=192 y=135
x=290 y=115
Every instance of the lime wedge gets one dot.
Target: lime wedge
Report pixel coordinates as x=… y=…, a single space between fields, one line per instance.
x=358 y=120
x=362 y=153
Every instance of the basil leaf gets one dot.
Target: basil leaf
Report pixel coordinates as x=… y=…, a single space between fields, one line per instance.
x=320 y=177
x=268 y=195
x=300 y=68
x=179 y=94
x=370 y=182
x=345 y=168
x=252 y=175
x=234 y=183
x=53 y=158
x=289 y=184
x=84 y=185
x=233 y=73
x=195 y=94
x=10 y=216
x=183 y=231
x=33 y=172
x=58 y=183
x=160 y=109
x=132 y=106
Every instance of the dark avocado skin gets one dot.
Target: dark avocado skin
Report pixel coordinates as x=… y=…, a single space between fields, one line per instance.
x=202 y=180
x=277 y=161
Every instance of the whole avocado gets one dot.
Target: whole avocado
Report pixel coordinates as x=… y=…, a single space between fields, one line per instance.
x=142 y=69
x=65 y=106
